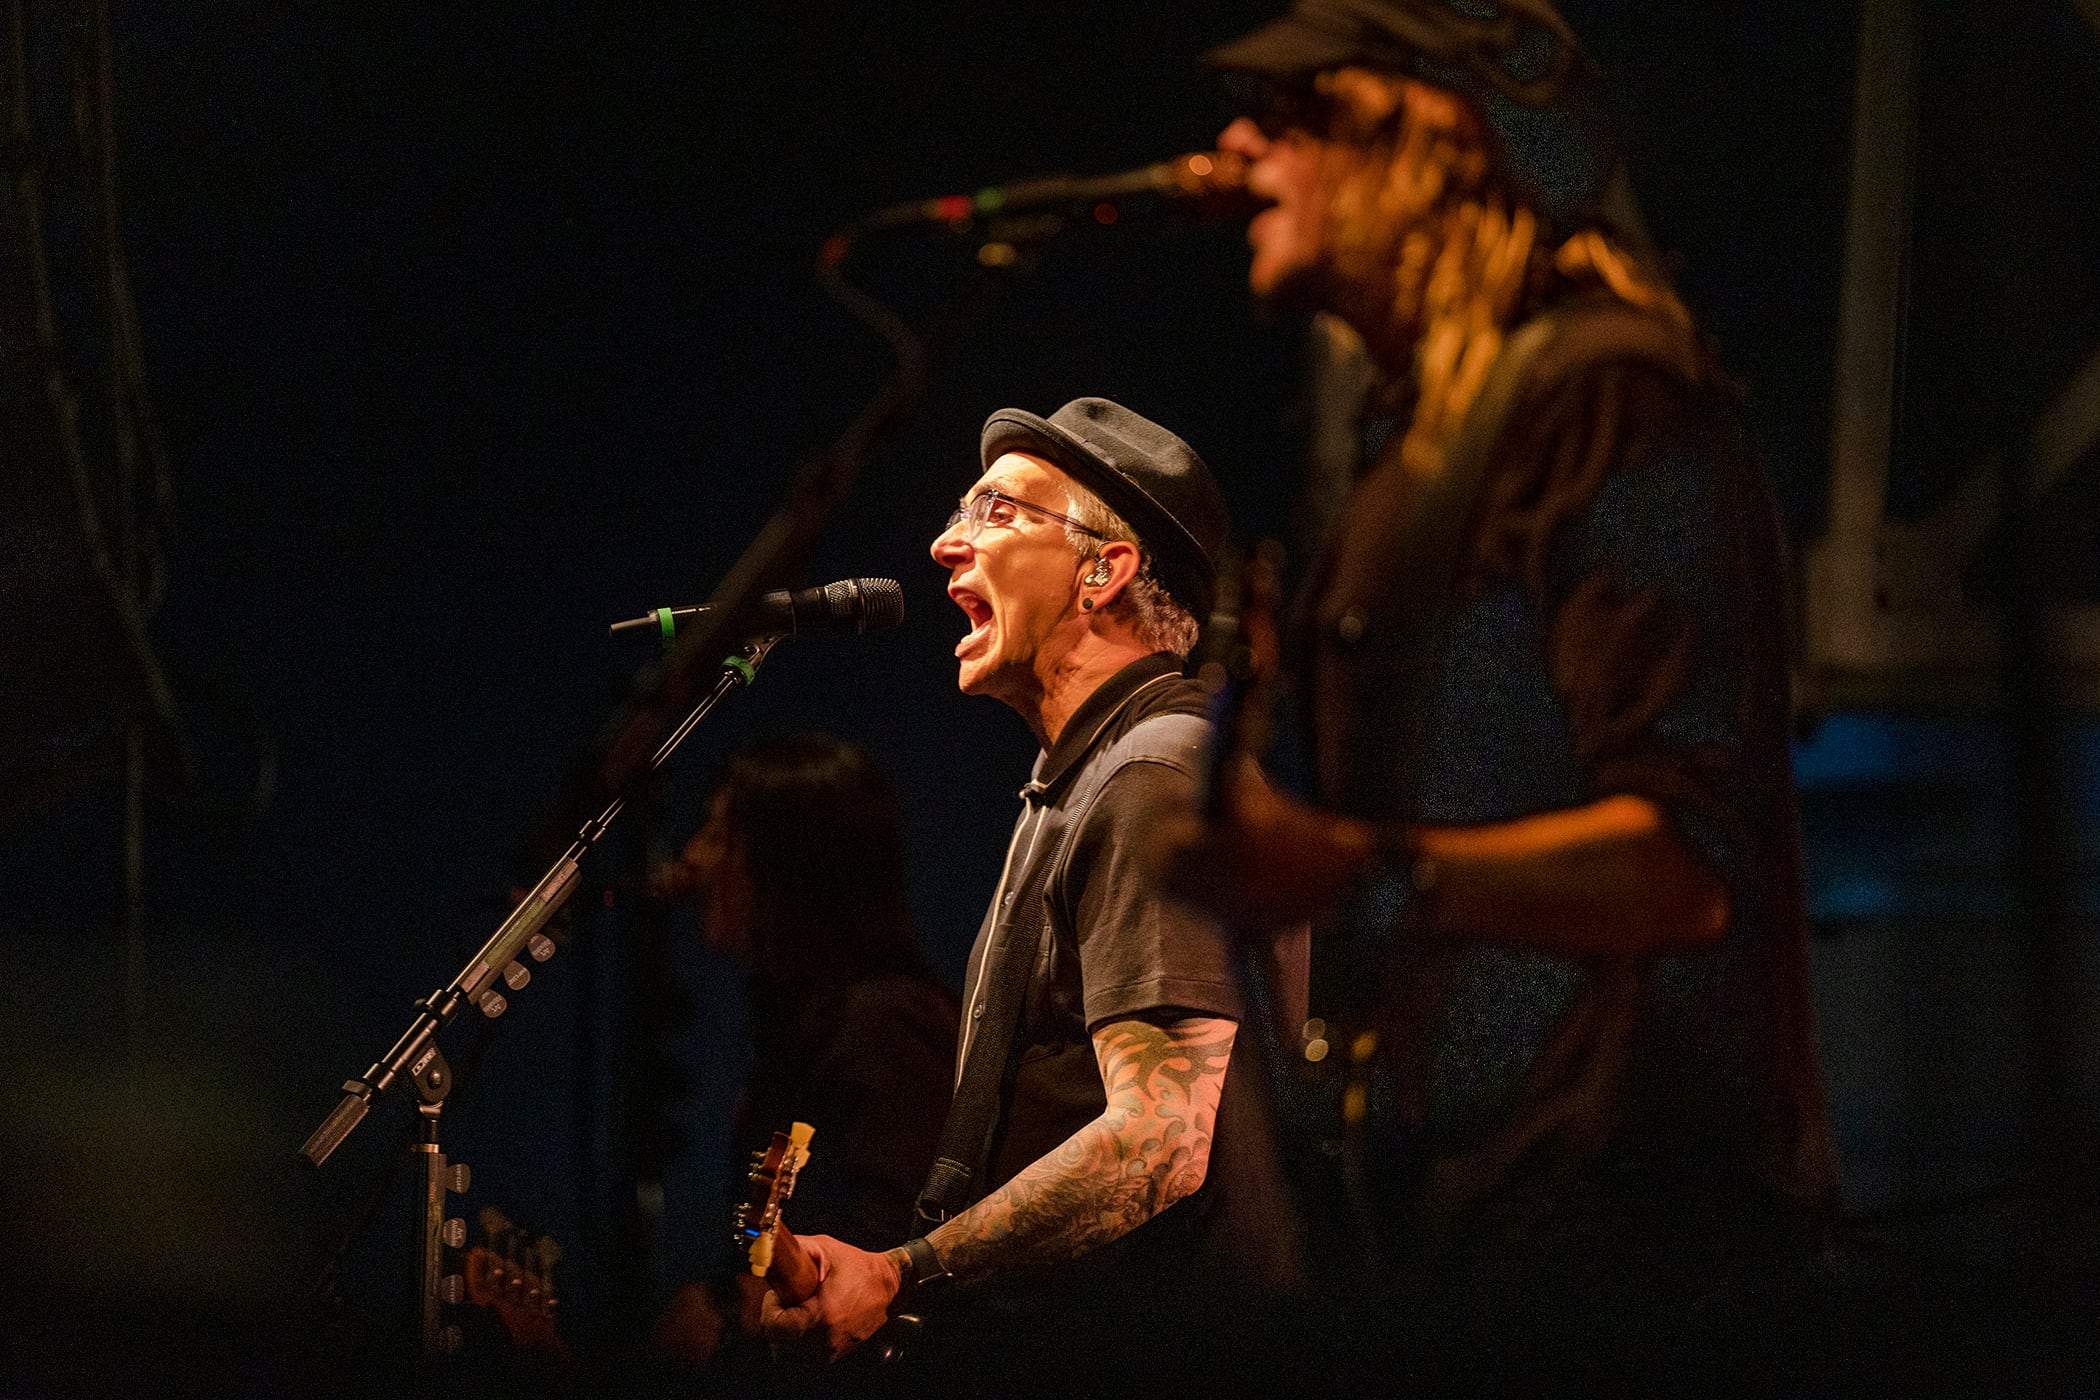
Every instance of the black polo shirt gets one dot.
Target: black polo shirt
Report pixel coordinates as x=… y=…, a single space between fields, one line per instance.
x=1115 y=948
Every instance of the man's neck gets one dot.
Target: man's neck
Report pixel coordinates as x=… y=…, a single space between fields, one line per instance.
x=1065 y=682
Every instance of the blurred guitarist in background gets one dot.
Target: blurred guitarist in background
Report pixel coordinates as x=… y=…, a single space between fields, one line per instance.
x=800 y=874
x=1106 y=1169
x=1542 y=659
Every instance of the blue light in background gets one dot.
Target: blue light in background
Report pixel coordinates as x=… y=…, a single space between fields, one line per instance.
x=1910 y=816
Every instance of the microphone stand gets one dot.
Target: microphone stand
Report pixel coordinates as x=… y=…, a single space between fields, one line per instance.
x=416 y=1054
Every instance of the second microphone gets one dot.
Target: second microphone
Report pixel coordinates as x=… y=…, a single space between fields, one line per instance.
x=850 y=605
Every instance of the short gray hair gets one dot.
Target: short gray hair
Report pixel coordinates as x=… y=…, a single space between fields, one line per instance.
x=1145 y=606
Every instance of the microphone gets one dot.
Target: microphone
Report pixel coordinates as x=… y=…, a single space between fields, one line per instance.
x=1215 y=182
x=850 y=605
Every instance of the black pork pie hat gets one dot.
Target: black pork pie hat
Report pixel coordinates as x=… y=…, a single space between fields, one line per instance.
x=1144 y=473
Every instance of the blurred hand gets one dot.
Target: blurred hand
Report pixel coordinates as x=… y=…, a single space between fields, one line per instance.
x=1266 y=859
x=852 y=1300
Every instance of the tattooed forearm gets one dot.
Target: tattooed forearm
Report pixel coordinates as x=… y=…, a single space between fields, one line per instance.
x=1148 y=1149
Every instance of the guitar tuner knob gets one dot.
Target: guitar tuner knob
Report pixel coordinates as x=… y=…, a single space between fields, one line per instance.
x=540 y=946
x=457 y=1178
x=450 y=1339
x=455 y=1233
x=516 y=974
x=493 y=1004
x=452 y=1288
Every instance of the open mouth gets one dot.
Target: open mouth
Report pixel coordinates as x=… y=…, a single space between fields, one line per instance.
x=977 y=610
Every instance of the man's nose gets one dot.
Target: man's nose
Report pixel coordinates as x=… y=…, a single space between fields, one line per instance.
x=1244 y=138
x=950 y=547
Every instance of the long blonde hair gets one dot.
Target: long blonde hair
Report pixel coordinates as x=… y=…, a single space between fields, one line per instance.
x=1418 y=210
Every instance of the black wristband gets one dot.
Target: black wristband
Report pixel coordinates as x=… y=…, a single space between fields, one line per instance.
x=924 y=1277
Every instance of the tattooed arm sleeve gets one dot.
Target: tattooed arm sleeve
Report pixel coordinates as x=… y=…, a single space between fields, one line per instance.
x=1148 y=1149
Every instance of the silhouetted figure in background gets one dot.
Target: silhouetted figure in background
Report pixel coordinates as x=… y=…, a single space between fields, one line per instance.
x=800 y=874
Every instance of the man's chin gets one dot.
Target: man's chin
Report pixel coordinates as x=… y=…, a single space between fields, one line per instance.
x=979 y=676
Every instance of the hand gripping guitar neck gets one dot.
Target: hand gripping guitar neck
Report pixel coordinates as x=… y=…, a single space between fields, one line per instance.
x=774 y=1253
x=776 y=1256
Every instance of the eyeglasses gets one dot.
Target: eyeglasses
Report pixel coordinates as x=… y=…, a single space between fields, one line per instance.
x=989 y=507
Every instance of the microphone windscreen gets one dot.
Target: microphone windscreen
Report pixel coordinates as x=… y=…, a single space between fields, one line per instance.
x=862 y=604
x=882 y=604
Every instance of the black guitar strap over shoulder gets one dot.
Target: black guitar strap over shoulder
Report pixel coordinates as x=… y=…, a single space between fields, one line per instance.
x=985 y=1086
x=986 y=1080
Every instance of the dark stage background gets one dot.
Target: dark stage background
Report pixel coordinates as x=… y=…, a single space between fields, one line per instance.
x=470 y=328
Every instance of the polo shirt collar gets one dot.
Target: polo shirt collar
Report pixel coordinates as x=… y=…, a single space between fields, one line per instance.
x=1093 y=716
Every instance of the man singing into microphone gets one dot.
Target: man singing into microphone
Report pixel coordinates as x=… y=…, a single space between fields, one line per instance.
x=1542 y=659
x=1127 y=1132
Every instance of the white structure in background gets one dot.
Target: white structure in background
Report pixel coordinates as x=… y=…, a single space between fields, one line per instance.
x=1885 y=619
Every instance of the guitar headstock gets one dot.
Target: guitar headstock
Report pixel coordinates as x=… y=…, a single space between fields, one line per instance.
x=512 y=1275
x=772 y=1181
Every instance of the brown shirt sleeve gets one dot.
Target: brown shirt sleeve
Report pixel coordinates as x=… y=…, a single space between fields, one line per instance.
x=1637 y=518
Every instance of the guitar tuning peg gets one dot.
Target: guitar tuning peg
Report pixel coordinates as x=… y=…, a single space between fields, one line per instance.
x=516 y=974
x=457 y=1178
x=493 y=1004
x=541 y=947
x=455 y=1232
x=452 y=1288
x=450 y=1338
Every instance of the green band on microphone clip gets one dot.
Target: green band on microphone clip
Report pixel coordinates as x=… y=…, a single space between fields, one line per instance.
x=664 y=622
x=742 y=667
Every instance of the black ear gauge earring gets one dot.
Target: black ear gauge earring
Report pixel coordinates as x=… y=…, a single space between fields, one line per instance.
x=1086 y=604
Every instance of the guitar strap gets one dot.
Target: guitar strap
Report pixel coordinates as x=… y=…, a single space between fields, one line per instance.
x=985 y=1086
